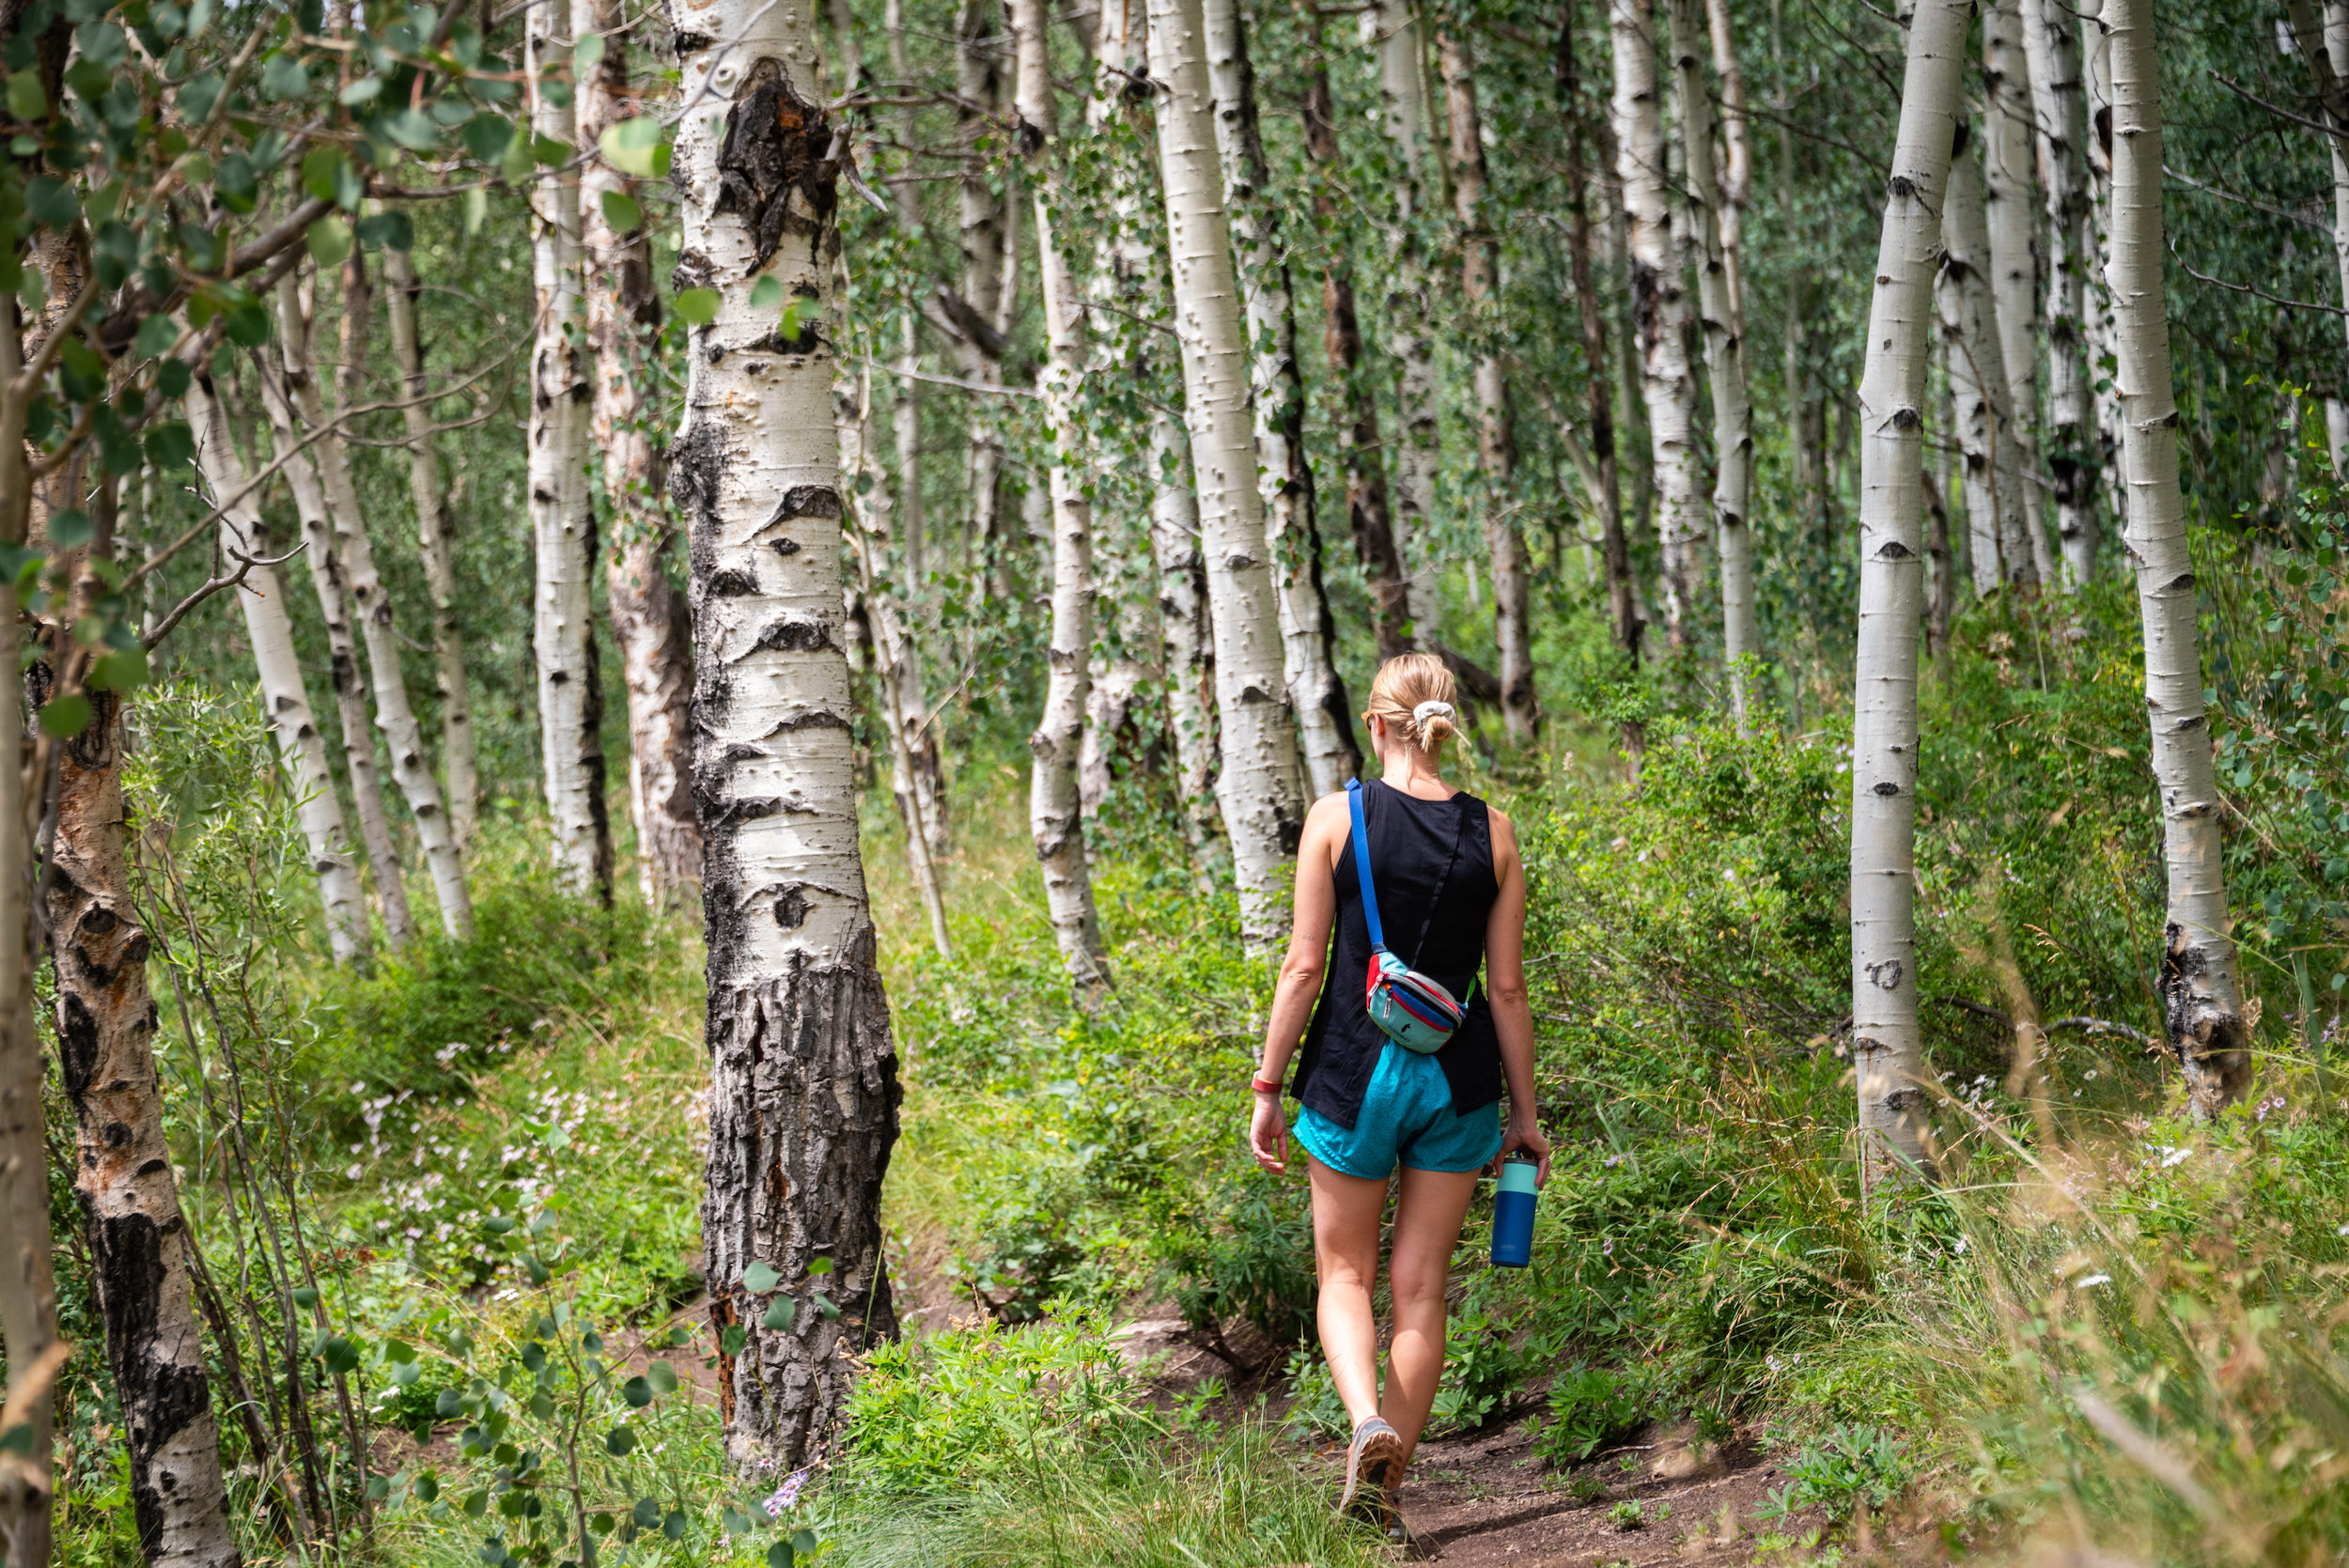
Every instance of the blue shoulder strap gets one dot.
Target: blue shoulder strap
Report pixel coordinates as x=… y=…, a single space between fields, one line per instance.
x=1362 y=863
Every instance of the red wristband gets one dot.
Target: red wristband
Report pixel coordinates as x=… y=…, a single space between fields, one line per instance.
x=1261 y=1087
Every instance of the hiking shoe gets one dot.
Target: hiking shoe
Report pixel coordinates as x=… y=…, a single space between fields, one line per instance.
x=1374 y=1474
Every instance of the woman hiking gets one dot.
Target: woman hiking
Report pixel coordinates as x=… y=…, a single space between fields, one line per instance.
x=1380 y=1080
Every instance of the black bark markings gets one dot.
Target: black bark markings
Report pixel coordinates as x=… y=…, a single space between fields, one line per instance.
x=777 y=143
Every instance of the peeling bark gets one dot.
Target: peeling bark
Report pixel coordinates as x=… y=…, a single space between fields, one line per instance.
x=1724 y=327
x=561 y=514
x=141 y=1254
x=1366 y=504
x=1660 y=306
x=651 y=623
x=1888 y=1048
x=803 y=1075
x=2202 y=996
x=1292 y=517
x=1258 y=784
x=299 y=747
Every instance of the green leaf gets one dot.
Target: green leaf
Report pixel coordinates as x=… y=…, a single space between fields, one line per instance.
x=819 y=1267
x=781 y=1555
x=549 y=152
x=412 y=129
x=26 y=101
x=732 y=1337
x=788 y=328
x=70 y=529
x=760 y=1277
x=780 y=1314
x=361 y=91
x=305 y=1298
x=663 y=1377
x=171 y=445
x=341 y=1355
x=284 y=77
x=674 y=1526
x=329 y=240
x=124 y=670
x=156 y=334
x=51 y=202
x=635 y=146
x=587 y=54
x=619 y=1443
x=766 y=293
x=379 y=1488
x=637 y=1392
x=696 y=307
x=486 y=137
x=425 y=1487
x=823 y=1305
x=382 y=229
x=646 y=1512
x=476 y=206
x=172 y=380
x=804 y=1540
x=537 y=1270
x=621 y=212
x=17 y=1439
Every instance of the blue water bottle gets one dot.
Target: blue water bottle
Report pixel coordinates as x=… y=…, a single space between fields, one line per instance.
x=1513 y=1210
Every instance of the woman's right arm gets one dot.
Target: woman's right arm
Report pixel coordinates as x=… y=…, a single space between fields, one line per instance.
x=1300 y=984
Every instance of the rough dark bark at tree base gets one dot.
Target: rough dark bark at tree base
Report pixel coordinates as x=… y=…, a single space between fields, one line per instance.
x=804 y=1100
x=141 y=1252
x=2212 y=1043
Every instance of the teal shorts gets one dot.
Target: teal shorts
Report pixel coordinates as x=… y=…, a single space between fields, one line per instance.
x=1406 y=1118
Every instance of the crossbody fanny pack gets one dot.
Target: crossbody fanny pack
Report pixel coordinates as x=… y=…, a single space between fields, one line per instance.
x=1413 y=1010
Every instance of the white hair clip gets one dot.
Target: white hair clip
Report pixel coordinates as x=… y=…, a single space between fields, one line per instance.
x=1421 y=714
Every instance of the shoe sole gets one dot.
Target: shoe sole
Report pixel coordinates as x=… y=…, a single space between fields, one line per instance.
x=1372 y=1475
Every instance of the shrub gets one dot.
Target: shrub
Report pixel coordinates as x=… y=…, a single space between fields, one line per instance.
x=1591 y=1407
x=1850 y=1466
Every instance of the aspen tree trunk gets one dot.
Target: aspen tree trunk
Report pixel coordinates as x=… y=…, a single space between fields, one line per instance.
x=1368 y=515
x=28 y=1285
x=1186 y=632
x=1496 y=432
x=1291 y=505
x=2201 y=997
x=2096 y=73
x=2008 y=156
x=436 y=543
x=1257 y=786
x=2059 y=108
x=141 y=1256
x=324 y=555
x=300 y=747
x=651 y=622
x=562 y=516
x=2324 y=42
x=371 y=608
x=1737 y=174
x=869 y=541
x=1614 y=545
x=804 y=1103
x=906 y=401
x=1661 y=303
x=1055 y=815
x=1888 y=1048
x=1978 y=385
x=1392 y=29
x=977 y=322
x=1725 y=364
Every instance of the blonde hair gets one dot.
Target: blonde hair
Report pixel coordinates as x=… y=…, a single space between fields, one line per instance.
x=1405 y=684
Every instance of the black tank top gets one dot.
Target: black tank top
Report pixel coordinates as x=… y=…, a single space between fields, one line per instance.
x=1433 y=860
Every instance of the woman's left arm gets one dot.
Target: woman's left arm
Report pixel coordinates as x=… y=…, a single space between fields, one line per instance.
x=1505 y=987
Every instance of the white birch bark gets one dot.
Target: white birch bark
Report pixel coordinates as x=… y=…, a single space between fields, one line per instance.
x=1888 y=1048
x=1187 y=633
x=1257 y=785
x=1725 y=364
x=1496 y=432
x=562 y=521
x=1291 y=500
x=1393 y=29
x=1737 y=172
x=2008 y=157
x=1055 y=809
x=2324 y=42
x=1668 y=385
x=2059 y=108
x=871 y=510
x=324 y=555
x=1978 y=385
x=803 y=1073
x=371 y=609
x=2199 y=989
x=262 y=598
x=436 y=544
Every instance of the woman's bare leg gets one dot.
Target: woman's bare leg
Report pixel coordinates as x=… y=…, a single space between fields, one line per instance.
x=1346 y=1210
x=1427 y=1217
